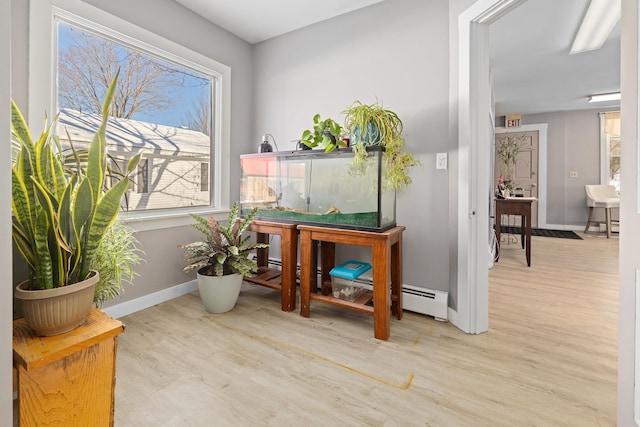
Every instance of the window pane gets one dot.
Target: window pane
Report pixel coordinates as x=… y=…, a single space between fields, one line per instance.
x=614 y=162
x=204 y=177
x=142 y=179
x=161 y=109
x=614 y=146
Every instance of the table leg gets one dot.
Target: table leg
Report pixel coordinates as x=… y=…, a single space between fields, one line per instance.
x=262 y=254
x=314 y=267
x=396 y=278
x=498 y=225
x=289 y=250
x=328 y=261
x=381 y=289
x=306 y=273
x=528 y=234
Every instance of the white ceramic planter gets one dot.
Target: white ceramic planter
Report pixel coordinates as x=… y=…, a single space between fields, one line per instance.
x=58 y=310
x=219 y=294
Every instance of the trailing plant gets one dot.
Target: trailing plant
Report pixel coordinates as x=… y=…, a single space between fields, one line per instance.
x=115 y=258
x=374 y=125
x=223 y=250
x=61 y=214
x=325 y=134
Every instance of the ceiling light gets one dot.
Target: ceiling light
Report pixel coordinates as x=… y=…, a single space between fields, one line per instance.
x=600 y=19
x=605 y=97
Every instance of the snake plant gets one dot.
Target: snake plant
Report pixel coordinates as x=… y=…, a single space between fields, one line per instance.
x=61 y=215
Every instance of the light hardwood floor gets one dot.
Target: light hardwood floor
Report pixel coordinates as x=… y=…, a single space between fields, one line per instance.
x=549 y=358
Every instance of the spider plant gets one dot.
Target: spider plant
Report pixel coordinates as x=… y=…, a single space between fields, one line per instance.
x=374 y=125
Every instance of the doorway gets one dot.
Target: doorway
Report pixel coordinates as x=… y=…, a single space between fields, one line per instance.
x=525 y=173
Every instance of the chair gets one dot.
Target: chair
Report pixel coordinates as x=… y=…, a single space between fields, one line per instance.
x=601 y=196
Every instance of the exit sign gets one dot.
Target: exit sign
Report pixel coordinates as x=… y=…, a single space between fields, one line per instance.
x=512 y=120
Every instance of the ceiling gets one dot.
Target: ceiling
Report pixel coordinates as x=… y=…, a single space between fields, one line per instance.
x=532 y=70
x=258 y=20
x=531 y=67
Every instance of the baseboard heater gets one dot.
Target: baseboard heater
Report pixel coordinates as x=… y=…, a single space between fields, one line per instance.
x=414 y=298
x=426 y=301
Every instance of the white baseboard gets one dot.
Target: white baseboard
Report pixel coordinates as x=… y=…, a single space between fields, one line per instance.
x=453 y=318
x=150 y=300
x=564 y=227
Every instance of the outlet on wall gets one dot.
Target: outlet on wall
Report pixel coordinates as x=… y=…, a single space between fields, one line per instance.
x=573 y=174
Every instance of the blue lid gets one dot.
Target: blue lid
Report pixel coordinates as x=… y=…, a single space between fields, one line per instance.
x=350 y=269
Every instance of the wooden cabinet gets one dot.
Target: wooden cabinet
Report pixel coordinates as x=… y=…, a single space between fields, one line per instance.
x=67 y=379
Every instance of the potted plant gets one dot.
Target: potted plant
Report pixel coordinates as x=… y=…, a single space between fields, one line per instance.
x=115 y=258
x=325 y=134
x=60 y=217
x=374 y=125
x=508 y=149
x=222 y=259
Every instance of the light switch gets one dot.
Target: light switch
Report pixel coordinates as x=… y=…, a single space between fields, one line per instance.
x=441 y=160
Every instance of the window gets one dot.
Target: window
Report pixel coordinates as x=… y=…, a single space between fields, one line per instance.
x=204 y=176
x=176 y=113
x=142 y=179
x=161 y=109
x=610 y=148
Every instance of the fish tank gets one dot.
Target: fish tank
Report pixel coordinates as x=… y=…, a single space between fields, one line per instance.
x=317 y=188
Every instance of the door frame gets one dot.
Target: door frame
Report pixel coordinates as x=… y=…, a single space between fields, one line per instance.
x=541 y=128
x=474 y=160
x=6 y=293
x=472 y=320
x=629 y=262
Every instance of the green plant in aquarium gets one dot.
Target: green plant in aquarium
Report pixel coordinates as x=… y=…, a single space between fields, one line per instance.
x=325 y=134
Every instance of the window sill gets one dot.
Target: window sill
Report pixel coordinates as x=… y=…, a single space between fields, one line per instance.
x=147 y=221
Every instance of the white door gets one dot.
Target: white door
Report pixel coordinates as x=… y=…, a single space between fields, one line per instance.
x=526 y=171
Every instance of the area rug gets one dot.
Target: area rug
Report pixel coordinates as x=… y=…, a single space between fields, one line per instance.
x=561 y=234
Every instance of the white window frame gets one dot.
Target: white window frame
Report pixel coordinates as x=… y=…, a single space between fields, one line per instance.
x=43 y=15
x=605 y=152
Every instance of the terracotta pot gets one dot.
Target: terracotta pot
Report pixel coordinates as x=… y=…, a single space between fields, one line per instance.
x=219 y=294
x=59 y=310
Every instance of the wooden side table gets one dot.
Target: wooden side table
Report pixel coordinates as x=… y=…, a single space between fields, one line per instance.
x=517 y=206
x=282 y=280
x=67 y=379
x=386 y=257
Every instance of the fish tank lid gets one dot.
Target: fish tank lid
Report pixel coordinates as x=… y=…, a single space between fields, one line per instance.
x=346 y=150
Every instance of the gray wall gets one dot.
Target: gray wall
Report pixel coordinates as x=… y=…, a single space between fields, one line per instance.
x=573 y=144
x=397 y=52
x=163 y=266
x=178 y=24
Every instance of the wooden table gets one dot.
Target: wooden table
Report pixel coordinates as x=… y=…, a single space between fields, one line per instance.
x=67 y=379
x=282 y=280
x=517 y=206
x=387 y=271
